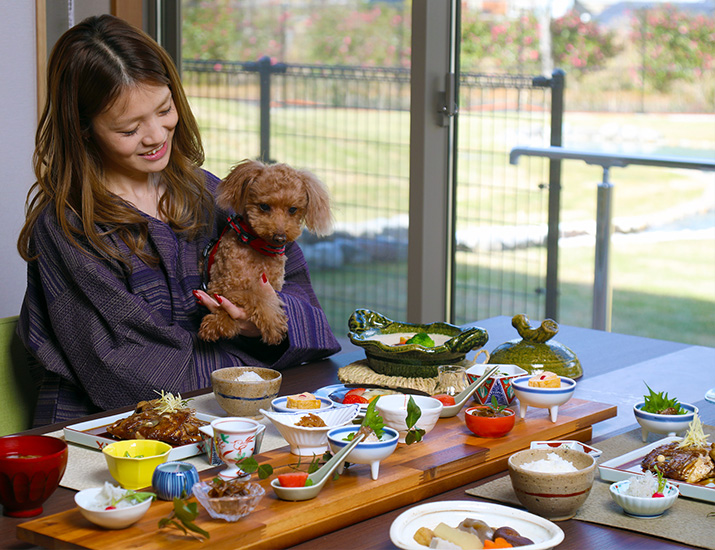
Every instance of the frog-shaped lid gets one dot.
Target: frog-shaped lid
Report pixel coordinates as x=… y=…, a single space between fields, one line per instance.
x=536 y=350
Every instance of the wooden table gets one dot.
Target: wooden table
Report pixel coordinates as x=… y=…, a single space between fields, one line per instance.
x=615 y=367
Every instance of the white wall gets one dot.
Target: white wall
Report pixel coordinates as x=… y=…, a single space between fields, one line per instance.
x=18 y=121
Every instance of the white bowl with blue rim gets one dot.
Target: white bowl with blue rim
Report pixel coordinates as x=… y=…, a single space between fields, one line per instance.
x=542 y=398
x=366 y=452
x=280 y=404
x=668 y=424
x=643 y=507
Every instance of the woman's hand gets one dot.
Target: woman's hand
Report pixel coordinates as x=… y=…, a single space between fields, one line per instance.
x=245 y=326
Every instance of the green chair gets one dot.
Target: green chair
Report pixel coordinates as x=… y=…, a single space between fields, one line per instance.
x=18 y=390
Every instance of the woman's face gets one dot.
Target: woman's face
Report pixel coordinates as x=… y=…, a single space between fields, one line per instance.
x=134 y=135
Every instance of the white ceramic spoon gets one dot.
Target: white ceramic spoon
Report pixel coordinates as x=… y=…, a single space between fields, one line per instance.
x=461 y=398
x=318 y=478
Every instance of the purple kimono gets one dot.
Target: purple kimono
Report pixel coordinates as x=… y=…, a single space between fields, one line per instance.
x=108 y=338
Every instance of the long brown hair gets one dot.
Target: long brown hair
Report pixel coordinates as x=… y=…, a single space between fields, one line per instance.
x=89 y=67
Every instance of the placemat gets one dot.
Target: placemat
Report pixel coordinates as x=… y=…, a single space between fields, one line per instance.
x=88 y=468
x=686 y=521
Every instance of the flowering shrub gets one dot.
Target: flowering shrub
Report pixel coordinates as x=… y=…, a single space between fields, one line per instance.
x=579 y=46
x=215 y=29
x=675 y=45
x=509 y=44
x=376 y=35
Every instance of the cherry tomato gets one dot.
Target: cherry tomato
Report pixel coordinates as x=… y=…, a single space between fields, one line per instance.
x=356 y=391
x=293 y=479
x=446 y=400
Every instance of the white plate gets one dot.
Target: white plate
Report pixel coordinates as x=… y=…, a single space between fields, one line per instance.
x=93 y=434
x=544 y=533
x=629 y=464
x=336 y=393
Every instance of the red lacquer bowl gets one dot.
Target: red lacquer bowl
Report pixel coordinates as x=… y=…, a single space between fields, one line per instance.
x=486 y=426
x=31 y=467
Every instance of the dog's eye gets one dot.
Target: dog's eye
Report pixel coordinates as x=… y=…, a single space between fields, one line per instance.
x=292 y=210
x=265 y=207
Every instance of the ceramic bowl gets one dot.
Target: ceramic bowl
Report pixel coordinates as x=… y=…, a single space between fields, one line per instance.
x=31 y=467
x=542 y=398
x=536 y=350
x=643 y=507
x=669 y=424
x=279 y=405
x=489 y=426
x=567 y=443
x=556 y=496
x=379 y=337
x=229 y=508
x=174 y=479
x=245 y=397
x=132 y=462
x=119 y=518
x=310 y=441
x=393 y=409
x=365 y=452
x=498 y=386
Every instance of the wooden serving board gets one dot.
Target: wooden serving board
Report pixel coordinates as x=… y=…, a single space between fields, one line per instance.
x=448 y=457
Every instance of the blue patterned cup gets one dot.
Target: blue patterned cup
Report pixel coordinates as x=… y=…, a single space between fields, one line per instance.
x=174 y=479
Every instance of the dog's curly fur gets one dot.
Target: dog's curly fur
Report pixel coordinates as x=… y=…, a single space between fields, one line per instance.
x=276 y=201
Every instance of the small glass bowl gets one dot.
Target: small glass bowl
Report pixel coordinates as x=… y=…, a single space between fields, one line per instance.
x=229 y=508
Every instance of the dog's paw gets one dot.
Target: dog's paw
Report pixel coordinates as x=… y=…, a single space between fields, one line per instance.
x=275 y=330
x=209 y=328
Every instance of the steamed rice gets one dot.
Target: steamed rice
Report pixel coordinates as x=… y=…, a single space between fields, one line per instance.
x=249 y=376
x=552 y=464
x=642 y=486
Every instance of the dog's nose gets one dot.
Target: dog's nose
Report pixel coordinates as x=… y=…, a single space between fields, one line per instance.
x=279 y=238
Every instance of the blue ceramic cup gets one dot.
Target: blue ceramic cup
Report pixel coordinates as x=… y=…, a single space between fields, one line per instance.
x=174 y=479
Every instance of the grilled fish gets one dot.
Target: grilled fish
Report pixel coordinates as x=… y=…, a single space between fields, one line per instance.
x=690 y=464
x=177 y=427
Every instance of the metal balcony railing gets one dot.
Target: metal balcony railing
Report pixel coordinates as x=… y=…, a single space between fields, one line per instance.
x=602 y=291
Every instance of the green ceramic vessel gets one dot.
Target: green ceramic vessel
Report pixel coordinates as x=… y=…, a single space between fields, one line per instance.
x=376 y=334
x=537 y=351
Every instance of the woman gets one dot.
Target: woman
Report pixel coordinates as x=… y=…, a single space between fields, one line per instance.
x=115 y=226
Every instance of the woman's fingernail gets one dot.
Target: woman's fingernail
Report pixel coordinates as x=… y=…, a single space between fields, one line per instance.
x=197 y=296
x=218 y=298
x=264 y=278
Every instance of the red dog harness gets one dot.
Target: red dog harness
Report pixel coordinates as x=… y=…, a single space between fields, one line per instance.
x=246 y=235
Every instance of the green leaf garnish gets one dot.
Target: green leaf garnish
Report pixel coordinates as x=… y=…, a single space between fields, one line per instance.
x=372 y=420
x=661 y=479
x=658 y=402
x=414 y=435
x=182 y=517
x=421 y=338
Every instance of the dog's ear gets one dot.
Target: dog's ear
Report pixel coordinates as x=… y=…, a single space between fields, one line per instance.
x=233 y=189
x=318 y=217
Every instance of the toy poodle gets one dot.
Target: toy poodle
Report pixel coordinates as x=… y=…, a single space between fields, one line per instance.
x=272 y=203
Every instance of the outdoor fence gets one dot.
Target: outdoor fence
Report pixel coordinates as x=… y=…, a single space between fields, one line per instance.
x=351 y=127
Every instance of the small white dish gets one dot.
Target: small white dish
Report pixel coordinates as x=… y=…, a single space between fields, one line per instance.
x=643 y=507
x=393 y=409
x=543 y=398
x=317 y=478
x=371 y=452
x=544 y=533
x=568 y=443
x=310 y=441
x=668 y=424
x=119 y=518
x=279 y=404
